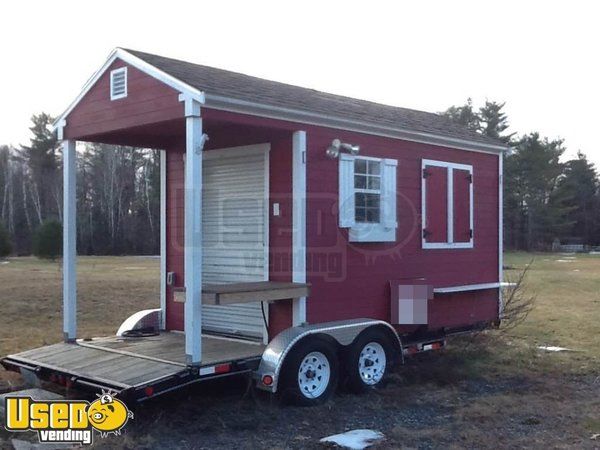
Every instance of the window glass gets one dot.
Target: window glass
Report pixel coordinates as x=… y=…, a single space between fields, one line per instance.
x=367 y=186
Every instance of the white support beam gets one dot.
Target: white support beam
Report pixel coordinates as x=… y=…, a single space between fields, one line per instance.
x=69 y=241
x=500 y=232
x=299 y=222
x=193 y=232
x=163 y=239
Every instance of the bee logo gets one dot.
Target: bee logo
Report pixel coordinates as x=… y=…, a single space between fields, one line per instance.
x=108 y=415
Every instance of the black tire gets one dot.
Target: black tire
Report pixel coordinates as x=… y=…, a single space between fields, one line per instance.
x=361 y=348
x=290 y=390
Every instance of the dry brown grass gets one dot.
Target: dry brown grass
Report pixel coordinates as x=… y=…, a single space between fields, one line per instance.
x=109 y=290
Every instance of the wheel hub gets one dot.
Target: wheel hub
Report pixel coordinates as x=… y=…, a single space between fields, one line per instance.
x=314 y=375
x=372 y=363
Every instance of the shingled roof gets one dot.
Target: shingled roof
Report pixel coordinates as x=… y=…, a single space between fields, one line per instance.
x=219 y=82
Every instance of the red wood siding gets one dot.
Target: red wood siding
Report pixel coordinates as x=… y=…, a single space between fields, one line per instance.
x=436 y=204
x=350 y=280
x=148 y=101
x=175 y=234
x=462 y=205
x=463 y=309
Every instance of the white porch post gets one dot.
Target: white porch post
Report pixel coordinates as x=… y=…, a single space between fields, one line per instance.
x=193 y=232
x=299 y=222
x=163 y=239
x=69 y=240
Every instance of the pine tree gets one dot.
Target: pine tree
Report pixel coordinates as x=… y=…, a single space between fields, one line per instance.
x=533 y=206
x=579 y=184
x=47 y=241
x=42 y=163
x=464 y=115
x=494 y=121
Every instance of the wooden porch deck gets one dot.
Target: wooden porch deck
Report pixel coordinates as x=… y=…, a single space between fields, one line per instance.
x=129 y=362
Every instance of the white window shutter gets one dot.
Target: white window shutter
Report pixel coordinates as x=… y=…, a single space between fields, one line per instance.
x=388 y=203
x=346 y=189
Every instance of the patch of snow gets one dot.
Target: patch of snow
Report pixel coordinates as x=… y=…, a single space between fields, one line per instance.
x=552 y=348
x=594 y=253
x=564 y=260
x=576 y=270
x=355 y=439
x=4 y=262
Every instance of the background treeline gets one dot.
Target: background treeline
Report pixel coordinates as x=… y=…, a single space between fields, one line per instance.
x=545 y=199
x=118 y=190
x=118 y=194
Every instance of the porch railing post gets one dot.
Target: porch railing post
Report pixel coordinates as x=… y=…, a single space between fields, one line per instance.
x=193 y=232
x=69 y=240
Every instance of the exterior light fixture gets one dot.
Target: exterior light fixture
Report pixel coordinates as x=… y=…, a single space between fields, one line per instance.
x=333 y=151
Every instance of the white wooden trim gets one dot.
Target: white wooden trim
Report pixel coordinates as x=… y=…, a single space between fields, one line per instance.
x=140 y=64
x=500 y=232
x=385 y=229
x=299 y=222
x=163 y=239
x=193 y=241
x=346 y=209
x=266 y=148
x=389 y=178
x=466 y=287
x=450 y=206
x=450 y=244
x=113 y=73
x=69 y=240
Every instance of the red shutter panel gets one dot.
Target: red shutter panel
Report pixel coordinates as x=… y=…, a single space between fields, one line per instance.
x=462 y=205
x=436 y=204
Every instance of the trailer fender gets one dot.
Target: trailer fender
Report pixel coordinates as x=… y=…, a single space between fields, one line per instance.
x=342 y=331
x=145 y=319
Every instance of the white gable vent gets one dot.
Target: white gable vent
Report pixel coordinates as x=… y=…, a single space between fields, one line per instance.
x=118 y=83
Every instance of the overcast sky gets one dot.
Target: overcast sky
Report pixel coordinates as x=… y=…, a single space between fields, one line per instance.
x=542 y=58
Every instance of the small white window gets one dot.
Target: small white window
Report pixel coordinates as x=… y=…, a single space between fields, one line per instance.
x=118 y=83
x=367 y=204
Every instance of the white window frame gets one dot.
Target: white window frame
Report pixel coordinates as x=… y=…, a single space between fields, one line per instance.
x=114 y=73
x=450 y=205
x=385 y=229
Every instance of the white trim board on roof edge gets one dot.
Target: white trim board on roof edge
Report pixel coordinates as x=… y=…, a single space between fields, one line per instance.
x=281 y=113
x=310 y=118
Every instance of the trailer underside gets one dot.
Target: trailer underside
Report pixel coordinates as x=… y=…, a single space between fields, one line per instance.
x=136 y=367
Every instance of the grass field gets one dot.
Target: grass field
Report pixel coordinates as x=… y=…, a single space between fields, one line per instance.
x=567 y=306
x=109 y=290
x=493 y=390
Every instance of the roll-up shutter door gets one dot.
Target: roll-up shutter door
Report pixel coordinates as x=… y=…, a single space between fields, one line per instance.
x=234 y=205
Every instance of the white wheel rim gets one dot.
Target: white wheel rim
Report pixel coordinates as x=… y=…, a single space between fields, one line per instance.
x=314 y=374
x=371 y=363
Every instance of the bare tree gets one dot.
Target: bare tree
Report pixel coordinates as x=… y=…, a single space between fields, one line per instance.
x=518 y=302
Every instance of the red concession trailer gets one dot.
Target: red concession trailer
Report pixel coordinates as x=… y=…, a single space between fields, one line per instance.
x=305 y=237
